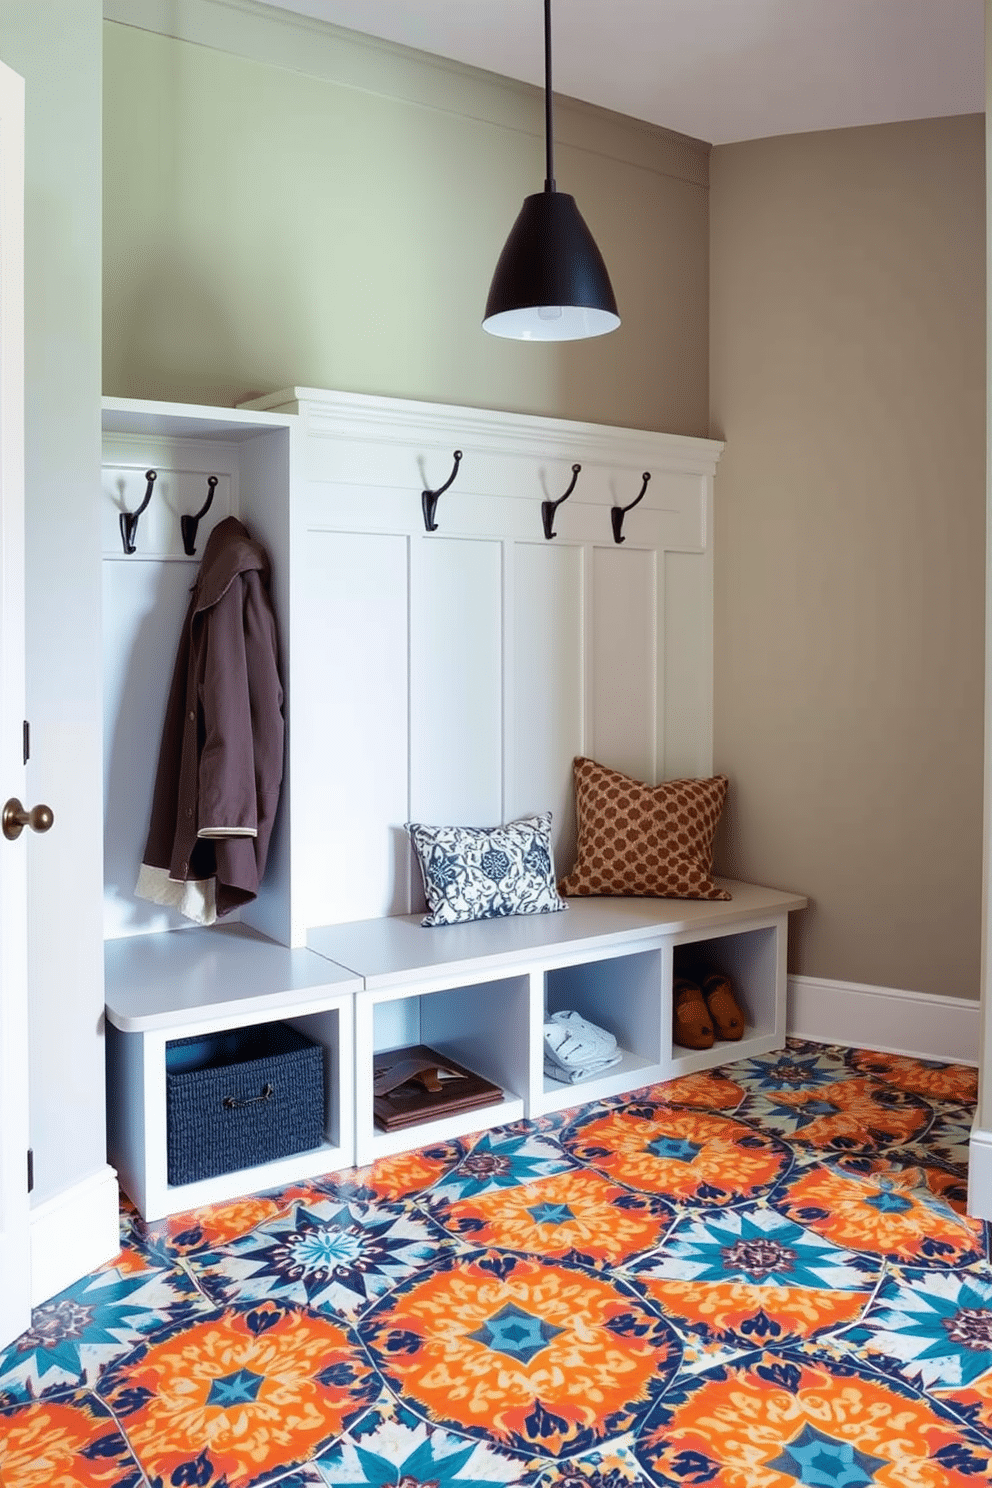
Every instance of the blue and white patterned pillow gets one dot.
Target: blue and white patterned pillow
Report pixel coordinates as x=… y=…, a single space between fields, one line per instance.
x=478 y=873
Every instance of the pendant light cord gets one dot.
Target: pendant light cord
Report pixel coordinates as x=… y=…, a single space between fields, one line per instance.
x=549 y=182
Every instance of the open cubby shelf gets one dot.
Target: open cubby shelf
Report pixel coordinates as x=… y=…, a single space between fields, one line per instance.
x=478 y=993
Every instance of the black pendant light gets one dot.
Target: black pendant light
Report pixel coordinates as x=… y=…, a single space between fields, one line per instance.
x=550 y=282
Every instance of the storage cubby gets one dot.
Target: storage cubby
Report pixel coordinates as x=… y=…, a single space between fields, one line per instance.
x=755 y=962
x=481 y=991
x=622 y=994
x=482 y=1025
x=174 y=985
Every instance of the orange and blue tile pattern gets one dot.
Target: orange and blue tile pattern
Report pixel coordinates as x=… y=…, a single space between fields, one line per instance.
x=757 y=1277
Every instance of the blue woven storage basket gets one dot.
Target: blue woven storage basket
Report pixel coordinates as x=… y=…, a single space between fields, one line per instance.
x=239 y=1098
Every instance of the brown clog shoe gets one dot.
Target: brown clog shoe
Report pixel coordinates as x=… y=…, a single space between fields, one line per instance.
x=692 y=1025
x=723 y=1006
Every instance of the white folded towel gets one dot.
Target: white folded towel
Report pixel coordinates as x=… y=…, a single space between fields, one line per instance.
x=575 y=1049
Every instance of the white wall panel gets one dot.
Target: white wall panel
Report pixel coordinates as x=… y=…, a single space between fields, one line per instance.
x=545 y=696
x=623 y=640
x=456 y=670
x=143 y=608
x=350 y=705
x=688 y=665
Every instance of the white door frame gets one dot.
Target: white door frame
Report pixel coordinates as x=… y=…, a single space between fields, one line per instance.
x=15 y=1253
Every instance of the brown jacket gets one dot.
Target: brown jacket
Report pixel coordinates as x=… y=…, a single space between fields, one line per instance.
x=221 y=760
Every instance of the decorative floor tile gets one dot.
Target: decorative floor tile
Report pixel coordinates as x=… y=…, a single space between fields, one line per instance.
x=882 y=1213
x=224 y=1403
x=751 y=1277
x=933 y=1328
x=70 y=1441
x=856 y=1114
x=688 y=1156
x=391 y=1445
x=502 y=1159
x=737 y=1278
x=926 y=1077
x=946 y=1140
x=575 y=1215
x=919 y=1171
x=798 y=1066
x=329 y=1256
x=545 y=1358
x=82 y=1330
x=791 y=1417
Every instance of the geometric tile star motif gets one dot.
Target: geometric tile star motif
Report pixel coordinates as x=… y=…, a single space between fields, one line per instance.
x=819 y=1461
x=938 y=1326
x=551 y=1214
x=240 y=1388
x=393 y=1446
x=675 y=1149
x=757 y=1246
x=324 y=1255
x=789 y=1069
x=516 y=1333
x=889 y=1202
x=93 y=1322
x=322 y=1250
x=498 y=1160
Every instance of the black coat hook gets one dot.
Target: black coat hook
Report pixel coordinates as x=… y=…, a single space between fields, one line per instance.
x=129 y=520
x=617 y=513
x=548 y=508
x=428 y=499
x=190 y=523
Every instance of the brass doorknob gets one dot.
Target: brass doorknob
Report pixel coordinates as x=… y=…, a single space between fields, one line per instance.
x=15 y=819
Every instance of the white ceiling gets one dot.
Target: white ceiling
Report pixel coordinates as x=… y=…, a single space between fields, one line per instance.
x=719 y=70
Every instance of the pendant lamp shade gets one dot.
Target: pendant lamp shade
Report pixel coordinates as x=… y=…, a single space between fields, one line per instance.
x=550 y=283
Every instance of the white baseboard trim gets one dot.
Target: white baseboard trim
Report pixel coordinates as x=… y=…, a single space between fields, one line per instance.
x=861 y=1016
x=980 y=1173
x=73 y=1232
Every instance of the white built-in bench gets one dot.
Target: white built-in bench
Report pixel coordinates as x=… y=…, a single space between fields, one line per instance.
x=478 y=993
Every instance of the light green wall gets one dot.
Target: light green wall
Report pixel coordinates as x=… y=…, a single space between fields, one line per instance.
x=332 y=219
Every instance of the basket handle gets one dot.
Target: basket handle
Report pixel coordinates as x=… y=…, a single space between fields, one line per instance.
x=232 y=1104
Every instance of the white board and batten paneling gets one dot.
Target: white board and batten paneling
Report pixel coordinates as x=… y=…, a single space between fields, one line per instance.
x=452 y=676
x=445 y=676
x=448 y=676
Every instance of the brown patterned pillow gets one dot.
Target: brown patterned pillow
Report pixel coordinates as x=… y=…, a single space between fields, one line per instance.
x=644 y=839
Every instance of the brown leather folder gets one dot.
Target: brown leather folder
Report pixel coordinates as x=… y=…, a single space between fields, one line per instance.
x=418 y=1084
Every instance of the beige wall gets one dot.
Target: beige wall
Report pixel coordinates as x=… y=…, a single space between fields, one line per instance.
x=325 y=210
x=980 y=1162
x=848 y=378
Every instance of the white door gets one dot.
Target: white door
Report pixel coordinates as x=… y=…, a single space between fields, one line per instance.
x=15 y=1311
